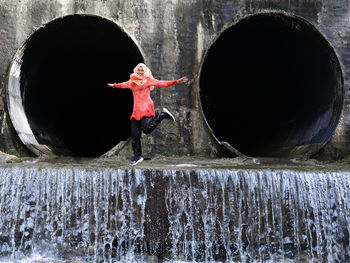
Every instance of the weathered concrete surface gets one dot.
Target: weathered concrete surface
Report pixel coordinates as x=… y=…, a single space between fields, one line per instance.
x=161 y=162
x=174 y=37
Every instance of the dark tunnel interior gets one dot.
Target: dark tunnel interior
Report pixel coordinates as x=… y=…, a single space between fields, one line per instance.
x=64 y=74
x=269 y=83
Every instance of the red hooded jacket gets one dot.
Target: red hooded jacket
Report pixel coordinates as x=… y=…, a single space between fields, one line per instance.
x=143 y=104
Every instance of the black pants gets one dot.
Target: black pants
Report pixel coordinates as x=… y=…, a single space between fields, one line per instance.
x=147 y=125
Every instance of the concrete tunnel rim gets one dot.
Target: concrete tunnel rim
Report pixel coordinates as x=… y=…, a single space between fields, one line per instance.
x=225 y=148
x=26 y=136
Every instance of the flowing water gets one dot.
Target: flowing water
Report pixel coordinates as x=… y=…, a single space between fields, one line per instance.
x=201 y=215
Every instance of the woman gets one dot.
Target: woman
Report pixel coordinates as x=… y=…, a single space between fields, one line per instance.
x=143 y=117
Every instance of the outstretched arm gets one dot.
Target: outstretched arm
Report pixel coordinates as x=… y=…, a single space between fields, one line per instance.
x=167 y=83
x=122 y=85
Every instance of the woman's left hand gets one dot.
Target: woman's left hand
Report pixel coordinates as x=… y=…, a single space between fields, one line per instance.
x=182 y=80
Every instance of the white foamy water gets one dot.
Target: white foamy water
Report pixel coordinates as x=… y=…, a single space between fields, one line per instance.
x=94 y=215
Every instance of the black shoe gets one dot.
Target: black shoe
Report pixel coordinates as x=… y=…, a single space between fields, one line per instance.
x=168 y=114
x=135 y=160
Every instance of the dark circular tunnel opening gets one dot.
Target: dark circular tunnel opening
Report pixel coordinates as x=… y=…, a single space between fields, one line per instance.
x=65 y=68
x=271 y=85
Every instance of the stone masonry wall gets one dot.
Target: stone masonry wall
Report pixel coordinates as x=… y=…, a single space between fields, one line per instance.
x=174 y=36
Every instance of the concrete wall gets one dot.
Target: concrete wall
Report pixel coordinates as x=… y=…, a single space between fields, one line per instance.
x=174 y=36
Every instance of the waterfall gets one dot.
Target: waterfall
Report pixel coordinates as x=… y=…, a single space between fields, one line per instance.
x=199 y=215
